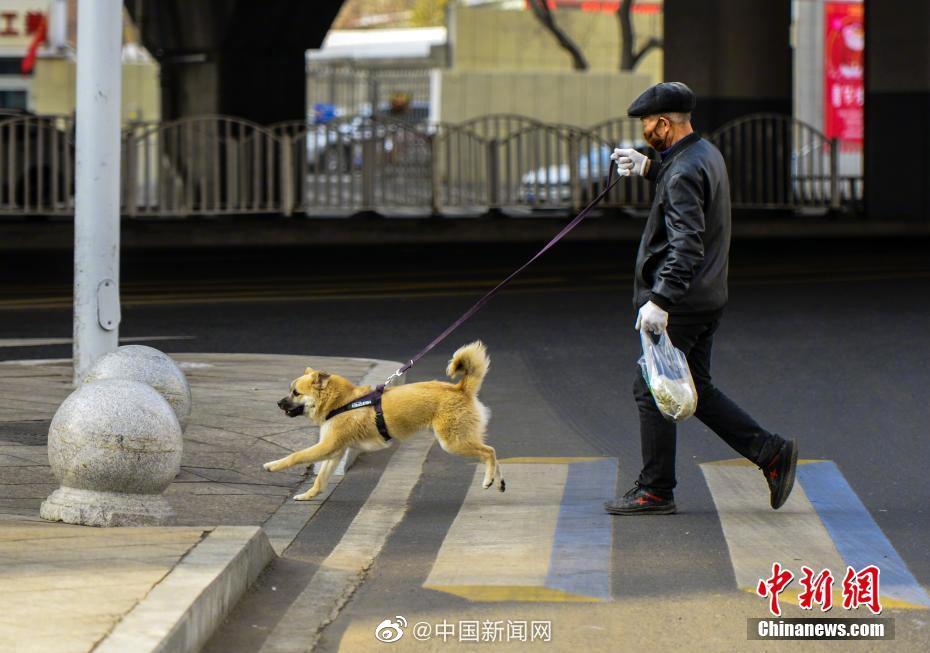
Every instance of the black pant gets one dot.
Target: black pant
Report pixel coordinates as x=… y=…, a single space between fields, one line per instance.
x=714 y=409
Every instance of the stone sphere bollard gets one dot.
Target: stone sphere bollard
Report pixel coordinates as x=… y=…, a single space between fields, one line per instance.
x=114 y=445
x=148 y=365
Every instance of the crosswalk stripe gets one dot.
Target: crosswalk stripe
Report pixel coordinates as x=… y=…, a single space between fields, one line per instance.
x=580 y=561
x=545 y=539
x=823 y=525
x=502 y=539
x=756 y=535
x=857 y=537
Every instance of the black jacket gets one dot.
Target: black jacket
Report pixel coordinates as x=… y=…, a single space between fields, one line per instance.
x=683 y=255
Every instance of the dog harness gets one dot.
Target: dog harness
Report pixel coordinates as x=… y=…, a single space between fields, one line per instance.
x=373 y=398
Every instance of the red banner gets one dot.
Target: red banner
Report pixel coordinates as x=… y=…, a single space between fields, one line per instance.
x=844 y=81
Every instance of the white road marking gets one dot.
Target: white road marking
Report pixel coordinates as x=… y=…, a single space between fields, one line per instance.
x=42 y=342
x=823 y=525
x=503 y=538
x=546 y=539
x=757 y=536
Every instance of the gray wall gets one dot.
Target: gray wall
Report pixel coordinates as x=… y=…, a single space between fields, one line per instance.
x=734 y=54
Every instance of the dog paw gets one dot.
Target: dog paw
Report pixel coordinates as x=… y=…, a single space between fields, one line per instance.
x=306 y=496
x=487 y=484
x=502 y=486
x=269 y=467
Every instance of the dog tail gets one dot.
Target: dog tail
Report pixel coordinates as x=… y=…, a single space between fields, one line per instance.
x=472 y=362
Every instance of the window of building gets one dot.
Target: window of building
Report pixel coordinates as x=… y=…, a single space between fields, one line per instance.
x=10 y=99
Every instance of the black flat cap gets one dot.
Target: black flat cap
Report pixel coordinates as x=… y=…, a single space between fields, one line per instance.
x=667 y=97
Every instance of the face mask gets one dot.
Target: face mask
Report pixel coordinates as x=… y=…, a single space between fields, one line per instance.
x=657 y=142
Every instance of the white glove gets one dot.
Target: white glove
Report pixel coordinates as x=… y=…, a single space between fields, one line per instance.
x=651 y=318
x=629 y=162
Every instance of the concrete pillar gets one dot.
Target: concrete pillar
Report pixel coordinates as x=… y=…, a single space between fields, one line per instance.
x=734 y=54
x=265 y=87
x=276 y=89
x=897 y=107
x=809 y=62
x=244 y=59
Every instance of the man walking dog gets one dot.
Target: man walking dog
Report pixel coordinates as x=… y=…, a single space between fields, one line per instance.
x=680 y=286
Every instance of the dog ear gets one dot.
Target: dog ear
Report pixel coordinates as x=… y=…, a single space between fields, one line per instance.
x=309 y=370
x=322 y=378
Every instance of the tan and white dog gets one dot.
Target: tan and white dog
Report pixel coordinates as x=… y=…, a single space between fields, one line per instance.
x=452 y=410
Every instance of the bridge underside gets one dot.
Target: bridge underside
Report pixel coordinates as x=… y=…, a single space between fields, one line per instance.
x=233 y=57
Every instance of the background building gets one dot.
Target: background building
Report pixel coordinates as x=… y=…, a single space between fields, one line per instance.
x=489 y=57
x=49 y=87
x=20 y=21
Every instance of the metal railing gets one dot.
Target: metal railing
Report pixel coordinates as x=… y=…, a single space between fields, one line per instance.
x=37 y=165
x=775 y=161
x=211 y=165
x=357 y=164
x=216 y=165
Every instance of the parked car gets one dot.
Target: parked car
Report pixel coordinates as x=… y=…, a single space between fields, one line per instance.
x=334 y=146
x=552 y=184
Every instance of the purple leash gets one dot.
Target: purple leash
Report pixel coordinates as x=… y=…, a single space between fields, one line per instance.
x=481 y=302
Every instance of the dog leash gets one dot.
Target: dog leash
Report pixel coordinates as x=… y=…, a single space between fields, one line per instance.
x=481 y=302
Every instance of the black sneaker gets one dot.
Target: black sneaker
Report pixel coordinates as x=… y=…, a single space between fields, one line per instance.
x=639 y=500
x=779 y=473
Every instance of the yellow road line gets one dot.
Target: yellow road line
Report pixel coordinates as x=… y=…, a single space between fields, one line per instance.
x=791 y=596
x=265 y=298
x=561 y=460
x=743 y=462
x=624 y=284
x=498 y=593
x=290 y=287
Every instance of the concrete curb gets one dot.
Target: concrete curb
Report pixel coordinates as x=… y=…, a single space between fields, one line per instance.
x=379 y=372
x=183 y=610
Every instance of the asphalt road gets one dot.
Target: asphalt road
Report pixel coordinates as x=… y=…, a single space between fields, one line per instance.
x=824 y=341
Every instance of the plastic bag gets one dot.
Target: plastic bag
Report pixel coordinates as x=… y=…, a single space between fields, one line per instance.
x=668 y=376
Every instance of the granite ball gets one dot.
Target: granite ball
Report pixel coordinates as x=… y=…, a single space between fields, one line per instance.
x=115 y=436
x=150 y=366
x=114 y=445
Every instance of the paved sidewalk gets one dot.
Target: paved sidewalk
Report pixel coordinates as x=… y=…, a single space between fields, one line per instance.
x=65 y=588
